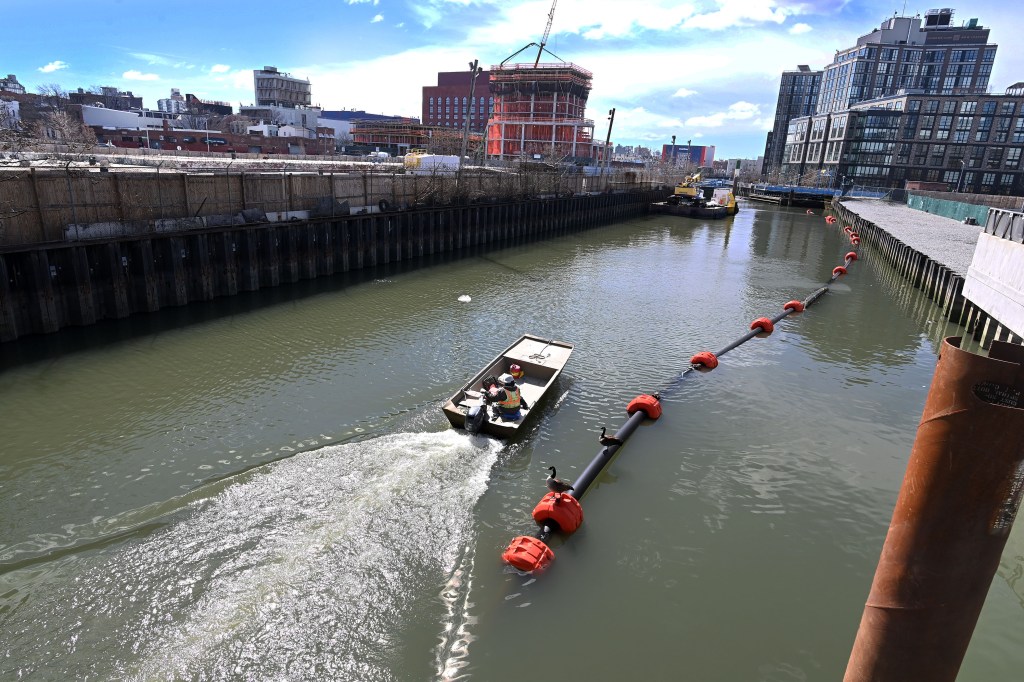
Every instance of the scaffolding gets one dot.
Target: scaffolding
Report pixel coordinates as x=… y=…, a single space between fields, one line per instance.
x=538 y=112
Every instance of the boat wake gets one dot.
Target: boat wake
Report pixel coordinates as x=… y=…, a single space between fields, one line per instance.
x=312 y=569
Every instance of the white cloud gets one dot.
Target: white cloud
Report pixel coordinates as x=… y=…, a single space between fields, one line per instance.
x=797 y=29
x=591 y=19
x=53 y=66
x=732 y=13
x=152 y=58
x=736 y=112
x=377 y=19
x=220 y=68
x=684 y=92
x=364 y=2
x=134 y=75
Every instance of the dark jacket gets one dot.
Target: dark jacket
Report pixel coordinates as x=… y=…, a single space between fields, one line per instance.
x=498 y=395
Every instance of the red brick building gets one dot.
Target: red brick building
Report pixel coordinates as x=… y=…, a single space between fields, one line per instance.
x=447 y=104
x=182 y=139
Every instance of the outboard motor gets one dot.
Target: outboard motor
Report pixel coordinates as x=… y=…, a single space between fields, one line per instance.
x=476 y=417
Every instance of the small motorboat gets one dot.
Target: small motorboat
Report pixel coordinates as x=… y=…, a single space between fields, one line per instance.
x=540 y=361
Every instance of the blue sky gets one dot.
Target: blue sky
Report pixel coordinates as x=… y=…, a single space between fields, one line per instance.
x=703 y=70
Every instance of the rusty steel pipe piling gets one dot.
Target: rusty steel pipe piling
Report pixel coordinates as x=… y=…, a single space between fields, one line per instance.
x=959 y=497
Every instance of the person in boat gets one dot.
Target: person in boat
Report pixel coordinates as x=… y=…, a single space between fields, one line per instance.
x=506 y=398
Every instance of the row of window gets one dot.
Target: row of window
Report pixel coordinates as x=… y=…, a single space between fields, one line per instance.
x=448 y=101
x=966 y=107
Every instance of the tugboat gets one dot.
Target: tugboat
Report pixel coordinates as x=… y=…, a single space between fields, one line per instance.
x=688 y=200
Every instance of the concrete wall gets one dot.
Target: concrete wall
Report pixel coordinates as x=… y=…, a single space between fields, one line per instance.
x=995 y=278
x=995 y=281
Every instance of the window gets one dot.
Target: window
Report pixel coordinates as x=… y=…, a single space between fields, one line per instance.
x=1006 y=179
x=1012 y=157
x=988 y=178
x=988 y=107
x=932 y=106
x=989 y=55
x=967 y=107
x=1007 y=108
x=949 y=106
x=914 y=105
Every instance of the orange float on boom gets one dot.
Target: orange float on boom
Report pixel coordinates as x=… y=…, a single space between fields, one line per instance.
x=561 y=511
x=527 y=554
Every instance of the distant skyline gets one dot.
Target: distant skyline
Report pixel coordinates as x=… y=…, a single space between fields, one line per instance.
x=706 y=71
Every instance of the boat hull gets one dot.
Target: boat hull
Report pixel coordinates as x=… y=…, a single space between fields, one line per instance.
x=690 y=210
x=542 y=361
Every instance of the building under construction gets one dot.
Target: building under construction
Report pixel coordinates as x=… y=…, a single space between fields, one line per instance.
x=538 y=113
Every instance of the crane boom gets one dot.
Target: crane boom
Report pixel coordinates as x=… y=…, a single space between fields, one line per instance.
x=547 y=32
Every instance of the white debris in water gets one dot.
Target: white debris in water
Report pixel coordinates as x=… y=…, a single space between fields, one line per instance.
x=464 y=299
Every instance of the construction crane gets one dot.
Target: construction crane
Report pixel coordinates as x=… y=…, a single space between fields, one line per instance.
x=547 y=32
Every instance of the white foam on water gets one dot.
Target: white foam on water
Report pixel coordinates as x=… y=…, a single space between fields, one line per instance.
x=308 y=569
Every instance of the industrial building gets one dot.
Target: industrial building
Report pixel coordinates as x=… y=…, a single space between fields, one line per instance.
x=688 y=155
x=455 y=100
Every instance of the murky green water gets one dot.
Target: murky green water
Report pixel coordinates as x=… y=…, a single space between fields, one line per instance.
x=265 y=488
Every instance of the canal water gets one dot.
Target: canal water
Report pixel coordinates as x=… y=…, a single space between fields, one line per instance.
x=264 y=487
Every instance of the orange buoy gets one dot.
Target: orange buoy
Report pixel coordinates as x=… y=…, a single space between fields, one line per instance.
x=795 y=306
x=838 y=270
x=847 y=229
x=810 y=212
x=527 y=554
x=855 y=240
x=647 y=404
x=851 y=256
x=830 y=219
x=766 y=325
x=559 y=510
x=705 y=358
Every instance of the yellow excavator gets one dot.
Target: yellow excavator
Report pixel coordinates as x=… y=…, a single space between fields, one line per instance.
x=689 y=191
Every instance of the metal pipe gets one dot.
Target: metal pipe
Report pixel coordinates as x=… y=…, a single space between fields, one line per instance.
x=597 y=465
x=585 y=479
x=955 y=508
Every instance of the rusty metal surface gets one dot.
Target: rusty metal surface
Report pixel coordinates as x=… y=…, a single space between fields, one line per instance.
x=959 y=496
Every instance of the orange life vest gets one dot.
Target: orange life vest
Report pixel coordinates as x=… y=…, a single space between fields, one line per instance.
x=511 y=402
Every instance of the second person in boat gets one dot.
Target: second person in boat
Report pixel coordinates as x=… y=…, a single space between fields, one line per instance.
x=506 y=398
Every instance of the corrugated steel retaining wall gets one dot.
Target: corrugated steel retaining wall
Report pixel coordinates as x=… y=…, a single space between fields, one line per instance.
x=938 y=282
x=46 y=288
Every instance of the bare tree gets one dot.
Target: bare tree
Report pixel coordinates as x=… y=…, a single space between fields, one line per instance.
x=53 y=97
x=73 y=137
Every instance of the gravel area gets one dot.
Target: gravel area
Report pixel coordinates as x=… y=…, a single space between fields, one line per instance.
x=944 y=240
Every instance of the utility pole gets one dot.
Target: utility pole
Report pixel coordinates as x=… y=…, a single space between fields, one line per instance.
x=474 y=71
x=608 y=139
x=673 y=150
